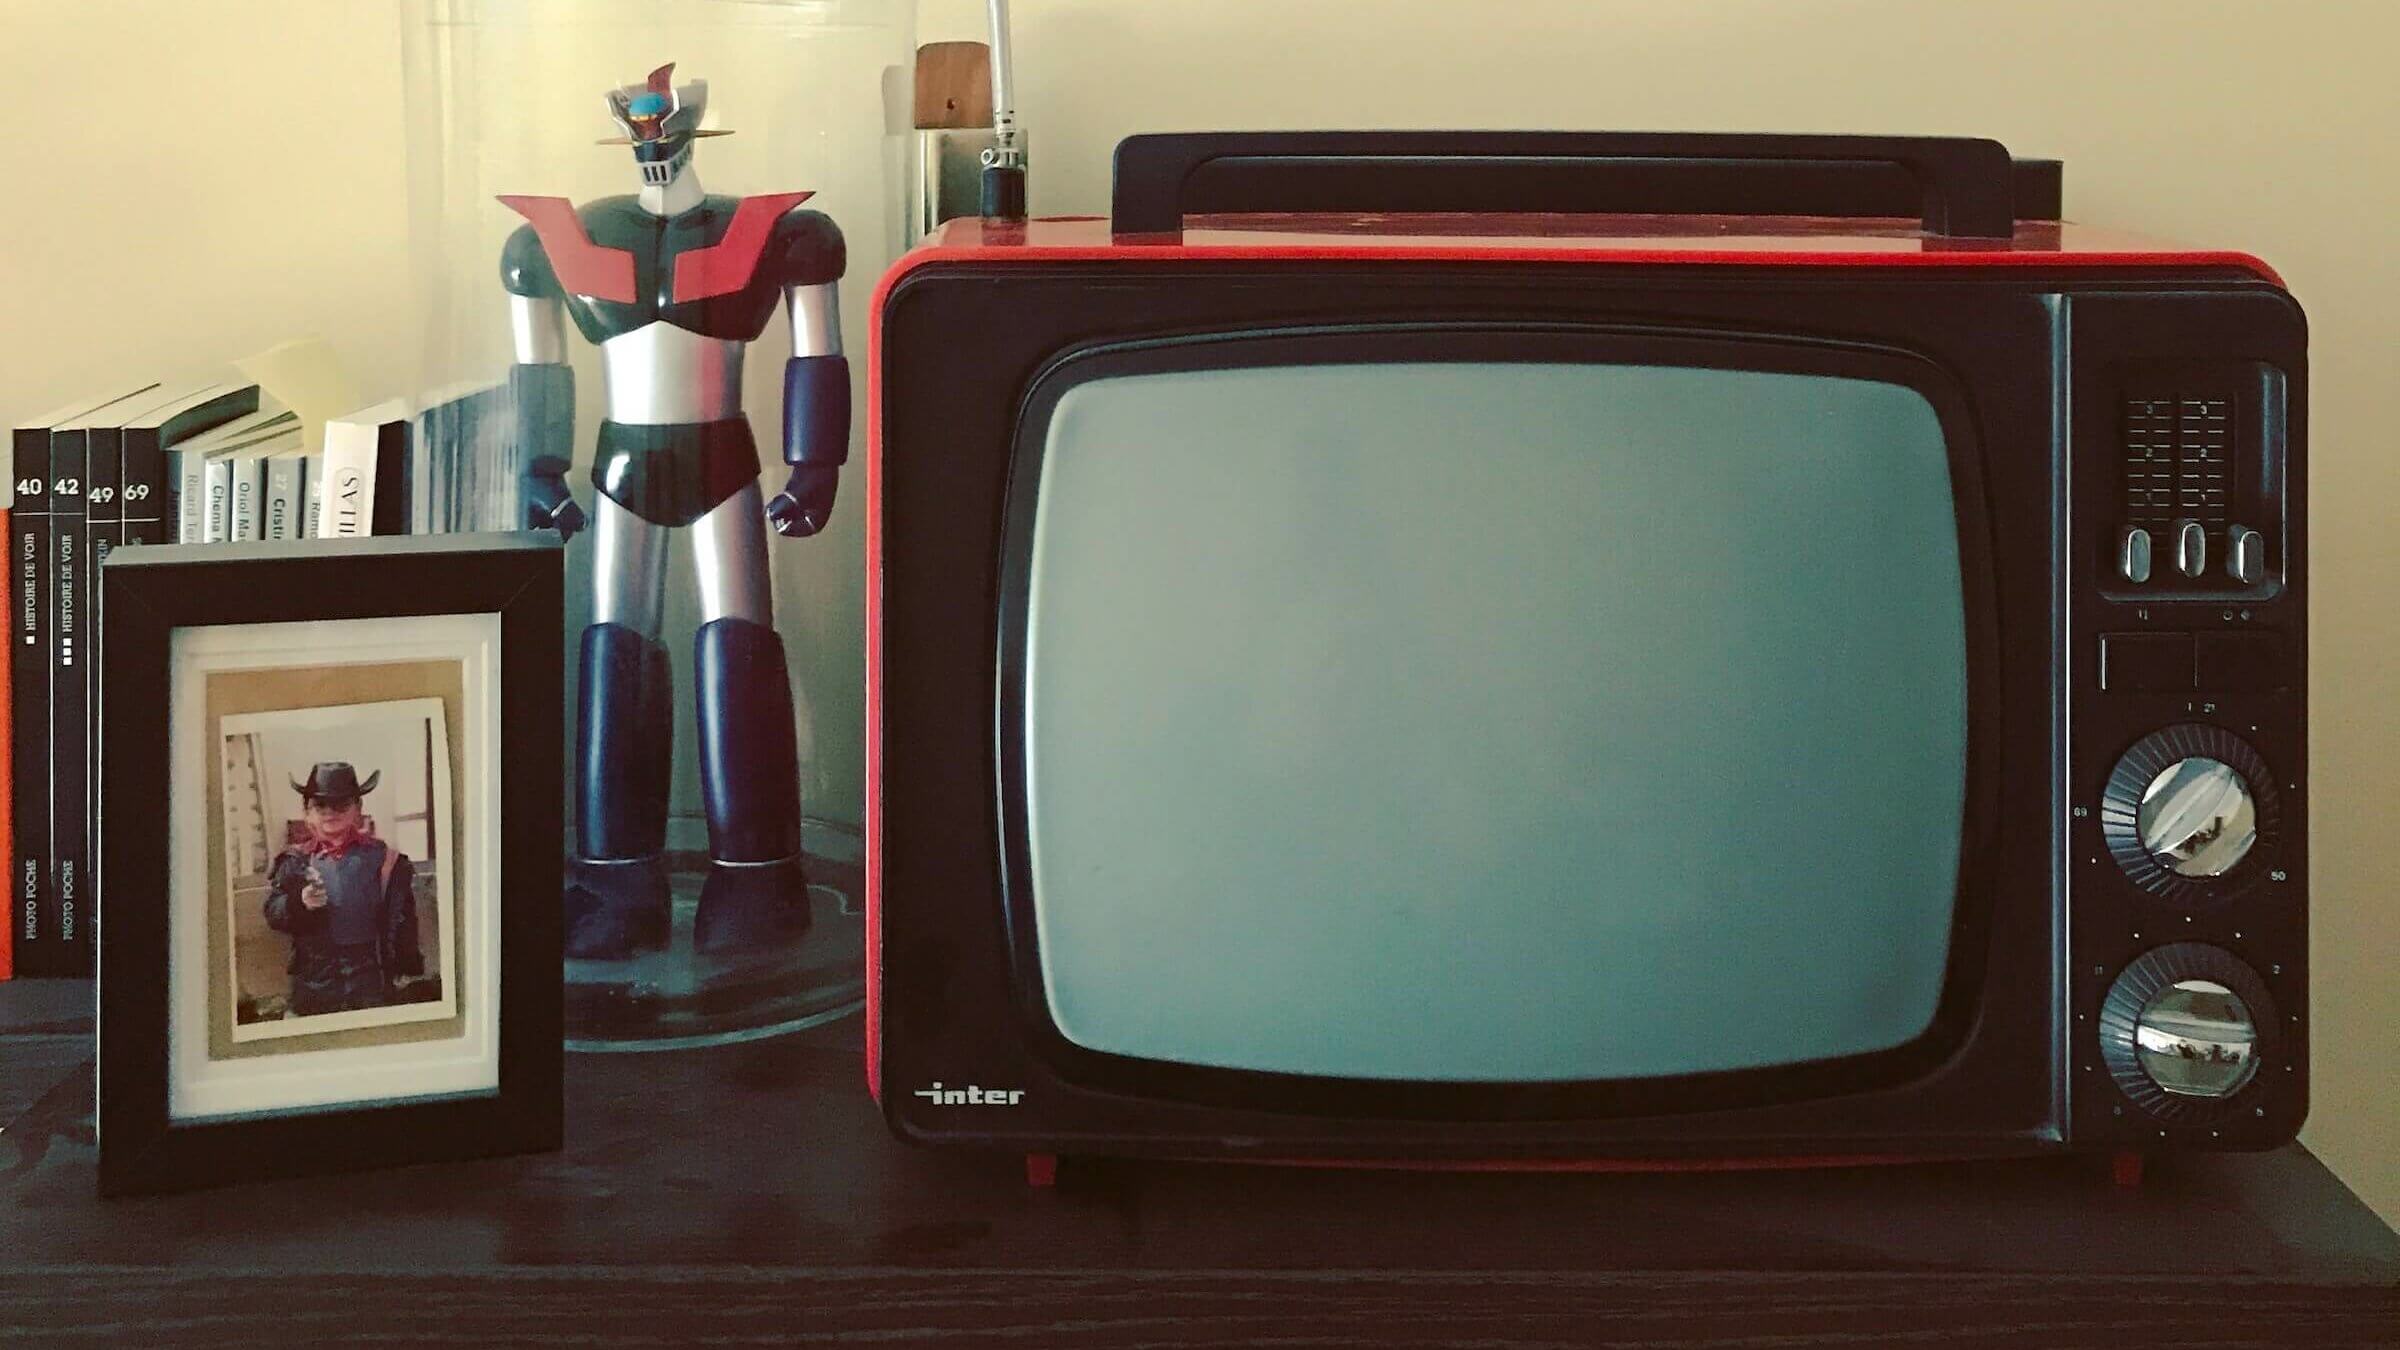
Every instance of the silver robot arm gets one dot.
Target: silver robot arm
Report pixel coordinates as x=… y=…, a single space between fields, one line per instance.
x=541 y=385
x=538 y=326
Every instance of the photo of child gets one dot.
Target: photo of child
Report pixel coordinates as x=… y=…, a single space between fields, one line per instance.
x=336 y=861
x=346 y=899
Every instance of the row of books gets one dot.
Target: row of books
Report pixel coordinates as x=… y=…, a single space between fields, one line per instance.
x=382 y=470
x=203 y=464
x=88 y=478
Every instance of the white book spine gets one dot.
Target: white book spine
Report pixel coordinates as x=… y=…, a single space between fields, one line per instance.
x=312 y=491
x=420 y=474
x=349 y=509
x=216 y=521
x=496 y=440
x=437 y=450
x=187 y=473
x=249 y=496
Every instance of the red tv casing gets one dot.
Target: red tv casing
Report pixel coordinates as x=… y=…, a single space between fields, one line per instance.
x=2166 y=303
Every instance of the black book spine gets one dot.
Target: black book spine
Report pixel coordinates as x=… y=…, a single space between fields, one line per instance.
x=103 y=494
x=391 y=478
x=31 y=883
x=143 y=492
x=70 y=554
x=104 y=501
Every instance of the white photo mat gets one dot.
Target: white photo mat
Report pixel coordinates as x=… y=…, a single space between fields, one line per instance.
x=199 y=1088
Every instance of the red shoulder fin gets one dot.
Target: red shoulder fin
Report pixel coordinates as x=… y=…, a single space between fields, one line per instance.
x=727 y=265
x=582 y=267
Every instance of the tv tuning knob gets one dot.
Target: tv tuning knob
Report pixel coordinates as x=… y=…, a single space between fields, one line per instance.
x=2185 y=807
x=2184 y=1031
x=2197 y=818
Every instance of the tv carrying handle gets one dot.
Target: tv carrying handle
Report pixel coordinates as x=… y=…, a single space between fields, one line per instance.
x=1960 y=187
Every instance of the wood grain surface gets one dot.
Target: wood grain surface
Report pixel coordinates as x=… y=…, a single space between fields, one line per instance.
x=750 y=1194
x=954 y=85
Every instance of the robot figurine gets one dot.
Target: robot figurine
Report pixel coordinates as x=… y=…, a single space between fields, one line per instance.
x=671 y=284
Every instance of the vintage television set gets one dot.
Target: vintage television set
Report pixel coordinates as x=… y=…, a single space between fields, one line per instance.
x=1585 y=650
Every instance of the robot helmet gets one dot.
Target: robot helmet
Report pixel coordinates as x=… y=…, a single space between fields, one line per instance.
x=660 y=121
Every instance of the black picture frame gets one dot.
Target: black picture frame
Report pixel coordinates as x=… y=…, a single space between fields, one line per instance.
x=147 y=594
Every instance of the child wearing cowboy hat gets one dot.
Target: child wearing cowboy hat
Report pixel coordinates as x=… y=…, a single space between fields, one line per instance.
x=347 y=900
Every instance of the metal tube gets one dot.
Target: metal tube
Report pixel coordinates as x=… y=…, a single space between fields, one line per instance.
x=1004 y=92
x=1003 y=164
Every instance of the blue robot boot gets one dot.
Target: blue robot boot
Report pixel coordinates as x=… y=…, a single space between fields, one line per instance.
x=756 y=895
x=617 y=903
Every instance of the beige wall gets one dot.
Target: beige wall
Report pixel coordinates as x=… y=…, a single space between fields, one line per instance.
x=206 y=178
x=228 y=173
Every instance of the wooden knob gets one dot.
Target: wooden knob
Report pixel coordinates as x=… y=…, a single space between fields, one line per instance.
x=954 y=85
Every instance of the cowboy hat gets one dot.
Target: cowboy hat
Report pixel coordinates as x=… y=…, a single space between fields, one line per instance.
x=334 y=781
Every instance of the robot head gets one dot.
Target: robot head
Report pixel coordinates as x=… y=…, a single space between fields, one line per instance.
x=660 y=122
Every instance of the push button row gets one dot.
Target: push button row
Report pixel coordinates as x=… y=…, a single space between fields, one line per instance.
x=2245 y=552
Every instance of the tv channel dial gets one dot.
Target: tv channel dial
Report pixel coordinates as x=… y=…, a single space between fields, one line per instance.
x=2185 y=809
x=2185 y=1029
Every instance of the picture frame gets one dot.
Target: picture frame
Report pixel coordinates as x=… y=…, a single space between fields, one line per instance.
x=330 y=814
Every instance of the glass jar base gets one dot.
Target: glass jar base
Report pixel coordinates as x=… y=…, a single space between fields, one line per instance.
x=678 y=998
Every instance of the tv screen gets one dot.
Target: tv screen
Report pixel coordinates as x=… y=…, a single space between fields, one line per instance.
x=1492 y=721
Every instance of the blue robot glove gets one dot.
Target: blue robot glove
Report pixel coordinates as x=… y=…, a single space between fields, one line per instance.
x=548 y=503
x=542 y=399
x=816 y=440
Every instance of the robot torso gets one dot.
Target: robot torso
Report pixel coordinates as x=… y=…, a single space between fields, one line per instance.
x=715 y=270
x=672 y=302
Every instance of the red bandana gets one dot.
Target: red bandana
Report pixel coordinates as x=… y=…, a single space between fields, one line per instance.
x=318 y=848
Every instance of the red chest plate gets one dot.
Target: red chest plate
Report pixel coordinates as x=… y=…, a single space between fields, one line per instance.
x=603 y=271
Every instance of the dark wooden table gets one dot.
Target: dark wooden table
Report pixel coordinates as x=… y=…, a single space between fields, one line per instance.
x=751 y=1195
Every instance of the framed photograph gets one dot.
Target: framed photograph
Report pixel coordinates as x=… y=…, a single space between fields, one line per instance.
x=330 y=859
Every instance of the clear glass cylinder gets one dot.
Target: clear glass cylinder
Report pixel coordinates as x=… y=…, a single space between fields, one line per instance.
x=509 y=97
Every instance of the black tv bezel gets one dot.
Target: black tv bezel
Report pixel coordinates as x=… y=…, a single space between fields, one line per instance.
x=2035 y=349
x=1459 y=342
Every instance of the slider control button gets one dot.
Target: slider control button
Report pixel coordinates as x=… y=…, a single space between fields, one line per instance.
x=2133 y=555
x=2191 y=548
x=2245 y=555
